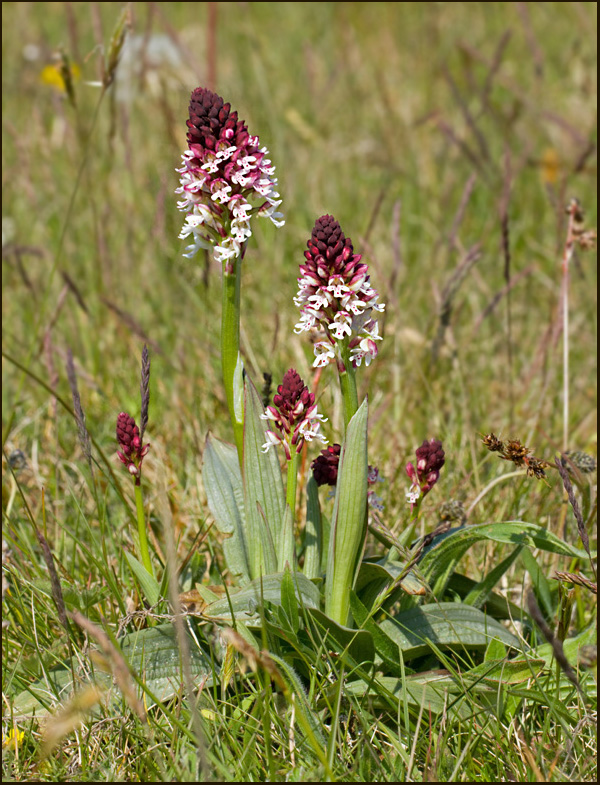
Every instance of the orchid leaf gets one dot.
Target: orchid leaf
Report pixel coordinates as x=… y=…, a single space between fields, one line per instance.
x=441 y=558
x=263 y=491
x=152 y=653
x=349 y=521
x=313 y=531
x=223 y=485
x=246 y=602
x=445 y=625
x=354 y=645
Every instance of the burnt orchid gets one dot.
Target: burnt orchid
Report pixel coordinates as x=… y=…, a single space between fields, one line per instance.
x=325 y=467
x=336 y=297
x=293 y=415
x=325 y=472
x=430 y=459
x=131 y=451
x=293 y=420
x=226 y=178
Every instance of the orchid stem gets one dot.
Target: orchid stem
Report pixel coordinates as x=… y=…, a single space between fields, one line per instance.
x=348 y=386
x=230 y=349
x=292 y=481
x=143 y=537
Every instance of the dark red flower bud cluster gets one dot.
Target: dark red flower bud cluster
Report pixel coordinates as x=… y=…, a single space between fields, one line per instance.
x=211 y=120
x=131 y=450
x=325 y=467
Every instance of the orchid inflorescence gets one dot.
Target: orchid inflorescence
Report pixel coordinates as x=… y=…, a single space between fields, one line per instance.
x=226 y=178
x=293 y=416
x=430 y=459
x=131 y=450
x=335 y=296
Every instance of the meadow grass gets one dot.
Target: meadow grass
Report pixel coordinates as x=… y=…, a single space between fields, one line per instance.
x=447 y=139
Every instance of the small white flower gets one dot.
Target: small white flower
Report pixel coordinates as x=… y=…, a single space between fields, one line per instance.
x=413 y=494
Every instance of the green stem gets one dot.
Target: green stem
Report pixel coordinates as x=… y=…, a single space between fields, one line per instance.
x=348 y=385
x=143 y=537
x=292 y=481
x=230 y=349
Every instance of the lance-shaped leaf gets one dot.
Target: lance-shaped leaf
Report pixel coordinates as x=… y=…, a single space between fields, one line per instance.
x=349 y=522
x=246 y=603
x=313 y=531
x=152 y=653
x=442 y=626
x=223 y=485
x=441 y=558
x=264 y=496
x=353 y=646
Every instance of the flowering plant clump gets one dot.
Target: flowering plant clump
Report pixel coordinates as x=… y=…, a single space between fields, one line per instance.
x=334 y=294
x=131 y=451
x=226 y=178
x=294 y=416
x=430 y=459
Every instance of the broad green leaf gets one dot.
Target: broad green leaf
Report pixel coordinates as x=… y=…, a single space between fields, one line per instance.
x=430 y=690
x=482 y=590
x=152 y=653
x=349 y=521
x=264 y=497
x=289 y=601
x=495 y=604
x=355 y=644
x=246 y=602
x=287 y=548
x=384 y=645
x=148 y=583
x=540 y=583
x=387 y=572
x=439 y=560
x=504 y=671
x=496 y=650
x=441 y=690
x=313 y=532
x=223 y=485
x=445 y=625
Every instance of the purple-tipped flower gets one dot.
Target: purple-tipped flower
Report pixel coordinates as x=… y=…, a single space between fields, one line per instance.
x=131 y=450
x=293 y=415
x=226 y=178
x=335 y=296
x=325 y=467
x=430 y=459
